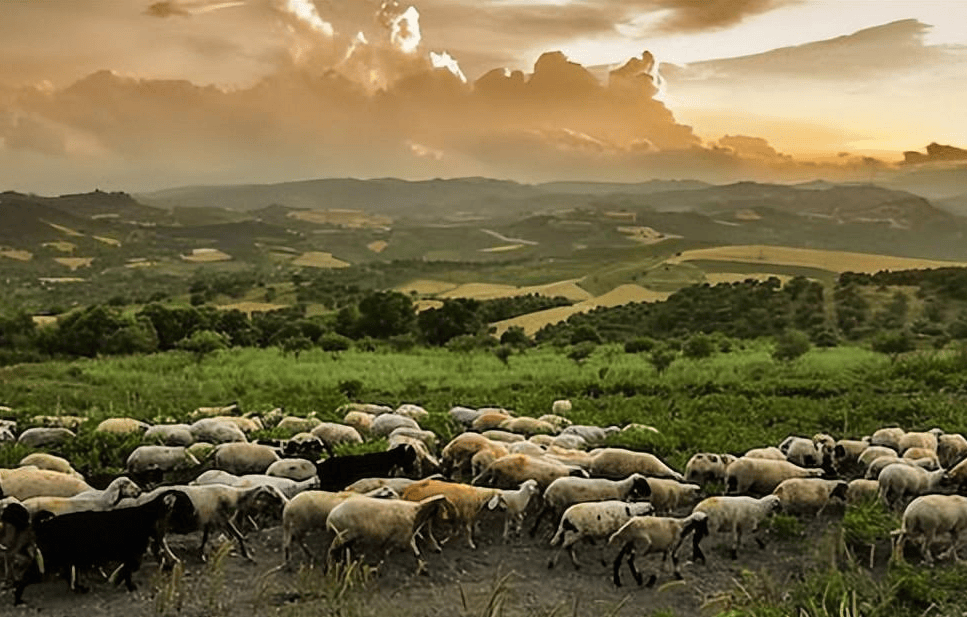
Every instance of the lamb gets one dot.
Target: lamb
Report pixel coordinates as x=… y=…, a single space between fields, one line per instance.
x=929 y=516
x=898 y=480
x=43 y=437
x=565 y=492
x=511 y=470
x=242 y=458
x=386 y=523
x=736 y=515
x=649 y=534
x=292 y=468
x=120 y=488
x=707 y=467
x=561 y=406
x=26 y=482
x=762 y=475
x=669 y=495
x=593 y=520
x=620 y=463
x=467 y=501
x=99 y=537
x=514 y=504
x=810 y=495
x=169 y=435
x=42 y=460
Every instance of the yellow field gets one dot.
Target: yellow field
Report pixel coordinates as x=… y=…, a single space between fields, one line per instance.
x=623 y=294
x=206 y=255
x=356 y=219
x=645 y=235
x=66 y=230
x=426 y=287
x=18 y=255
x=62 y=246
x=422 y=305
x=44 y=320
x=107 y=240
x=746 y=215
x=833 y=261
x=60 y=279
x=502 y=249
x=74 y=262
x=377 y=246
x=143 y=263
x=252 y=307
x=486 y=291
x=319 y=259
x=714 y=278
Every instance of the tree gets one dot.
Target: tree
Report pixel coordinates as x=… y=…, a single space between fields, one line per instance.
x=137 y=336
x=581 y=352
x=334 y=342
x=204 y=342
x=640 y=344
x=457 y=316
x=295 y=345
x=383 y=314
x=790 y=345
x=661 y=358
x=515 y=337
x=503 y=353
x=585 y=333
x=892 y=343
x=698 y=346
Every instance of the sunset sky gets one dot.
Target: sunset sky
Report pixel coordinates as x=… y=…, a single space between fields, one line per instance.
x=144 y=94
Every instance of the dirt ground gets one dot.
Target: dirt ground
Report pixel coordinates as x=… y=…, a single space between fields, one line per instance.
x=459 y=581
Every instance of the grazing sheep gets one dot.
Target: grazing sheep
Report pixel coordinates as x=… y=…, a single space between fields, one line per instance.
x=951 y=449
x=861 y=490
x=119 y=488
x=897 y=481
x=213 y=430
x=338 y=472
x=526 y=447
x=565 y=492
x=593 y=520
x=561 y=406
x=872 y=453
x=592 y=435
x=388 y=422
x=242 y=458
x=670 y=495
x=809 y=495
x=707 y=467
x=201 y=450
x=292 y=468
x=928 y=517
x=873 y=472
x=802 y=452
x=621 y=463
x=169 y=435
x=639 y=428
x=223 y=410
x=288 y=487
x=42 y=460
x=485 y=458
x=846 y=456
x=359 y=420
x=514 y=504
x=488 y=420
x=335 y=434
x=293 y=425
x=649 y=534
x=425 y=464
x=922 y=454
x=467 y=501
x=736 y=515
x=368 y=485
x=511 y=470
x=45 y=437
x=413 y=412
x=771 y=453
x=926 y=439
x=370 y=408
x=887 y=437
x=528 y=426
x=570 y=442
x=502 y=436
x=558 y=422
x=578 y=458
x=759 y=475
x=456 y=460
x=122 y=426
x=246 y=424
x=957 y=476
x=429 y=438
x=26 y=482
x=305 y=445
x=381 y=522
x=464 y=415
x=160 y=458
x=69 y=422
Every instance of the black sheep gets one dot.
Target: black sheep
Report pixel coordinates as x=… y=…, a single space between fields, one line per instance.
x=338 y=472
x=93 y=538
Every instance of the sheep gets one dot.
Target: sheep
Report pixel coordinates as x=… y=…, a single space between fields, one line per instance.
x=762 y=475
x=771 y=453
x=570 y=442
x=511 y=470
x=429 y=438
x=927 y=439
x=898 y=480
x=736 y=515
x=846 y=456
x=246 y=424
x=201 y=450
x=216 y=431
x=26 y=482
x=887 y=437
x=639 y=428
x=98 y=537
x=565 y=492
x=42 y=460
x=335 y=434
x=338 y=472
x=557 y=421
x=561 y=406
x=578 y=458
x=489 y=420
x=861 y=490
x=119 y=488
x=802 y=452
x=370 y=408
x=242 y=458
x=425 y=463
x=669 y=495
x=957 y=475
x=526 y=447
x=502 y=436
x=706 y=467
x=292 y=468
x=292 y=425
x=386 y=523
x=514 y=503
x=541 y=440
x=367 y=485
x=456 y=457
x=69 y=422
x=592 y=435
x=872 y=453
x=809 y=495
x=951 y=449
x=122 y=426
x=593 y=520
x=43 y=437
x=929 y=516
x=305 y=445
x=359 y=420
x=873 y=472
x=288 y=487
x=464 y=415
x=413 y=412
x=485 y=458
x=207 y=412
x=169 y=435
x=387 y=423
x=467 y=501
x=160 y=458
x=620 y=463
x=528 y=426
x=649 y=534
x=922 y=454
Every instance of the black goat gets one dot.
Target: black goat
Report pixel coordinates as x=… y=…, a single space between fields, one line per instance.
x=338 y=472
x=92 y=538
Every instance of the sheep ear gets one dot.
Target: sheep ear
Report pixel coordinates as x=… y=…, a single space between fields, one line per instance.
x=713 y=458
x=494 y=502
x=628 y=510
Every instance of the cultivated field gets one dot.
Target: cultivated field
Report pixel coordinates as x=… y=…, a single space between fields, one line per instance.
x=319 y=259
x=18 y=255
x=342 y=218
x=74 y=262
x=207 y=255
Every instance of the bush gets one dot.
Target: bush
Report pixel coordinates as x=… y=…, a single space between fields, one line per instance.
x=790 y=345
x=661 y=358
x=581 y=352
x=698 y=346
x=515 y=337
x=640 y=344
x=334 y=342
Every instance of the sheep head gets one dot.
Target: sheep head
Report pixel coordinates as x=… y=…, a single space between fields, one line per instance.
x=640 y=489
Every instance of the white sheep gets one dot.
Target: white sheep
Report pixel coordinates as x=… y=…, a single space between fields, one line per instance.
x=426 y=463
x=488 y=420
x=577 y=458
x=214 y=430
x=621 y=463
x=292 y=468
x=570 y=442
x=931 y=516
x=207 y=412
x=414 y=412
x=670 y=495
x=561 y=406
x=387 y=423
x=429 y=438
x=707 y=467
x=951 y=449
x=861 y=490
x=737 y=515
x=359 y=420
x=501 y=436
x=169 y=435
x=514 y=503
x=526 y=447
x=26 y=482
x=287 y=486
x=846 y=456
x=771 y=453
x=242 y=458
x=336 y=434
x=802 y=452
x=557 y=421
x=247 y=423
x=511 y=470
x=762 y=475
x=463 y=415
x=887 y=437
x=925 y=439
x=564 y=492
x=810 y=495
x=872 y=453
x=43 y=460
x=160 y=458
x=650 y=534
x=592 y=435
x=545 y=441
x=122 y=426
x=368 y=485
x=45 y=437
x=485 y=458
x=528 y=426
x=69 y=422
x=119 y=488
x=467 y=501
x=873 y=472
x=898 y=481
x=381 y=522
x=592 y=521
x=456 y=456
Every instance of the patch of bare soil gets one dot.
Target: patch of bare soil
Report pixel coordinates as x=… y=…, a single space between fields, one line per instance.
x=459 y=581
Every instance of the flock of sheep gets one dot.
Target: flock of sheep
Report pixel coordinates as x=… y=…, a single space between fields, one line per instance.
x=530 y=469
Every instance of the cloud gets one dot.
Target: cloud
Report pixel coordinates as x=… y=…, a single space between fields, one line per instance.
x=750 y=147
x=698 y=15
x=936 y=153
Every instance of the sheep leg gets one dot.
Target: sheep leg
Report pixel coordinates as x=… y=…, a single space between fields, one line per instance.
x=434 y=545
x=736 y=539
x=470 y=535
x=697 y=554
x=537 y=521
x=634 y=571
x=233 y=530
x=617 y=563
x=73 y=583
x=676 y=571
x=420 y=562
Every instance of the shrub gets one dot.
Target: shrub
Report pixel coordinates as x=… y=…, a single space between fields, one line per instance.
x=334 y=342
x=640 y=344
x=698 y=346
x=790 y=345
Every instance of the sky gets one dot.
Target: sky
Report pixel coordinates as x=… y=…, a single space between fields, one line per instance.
x=145 y=94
